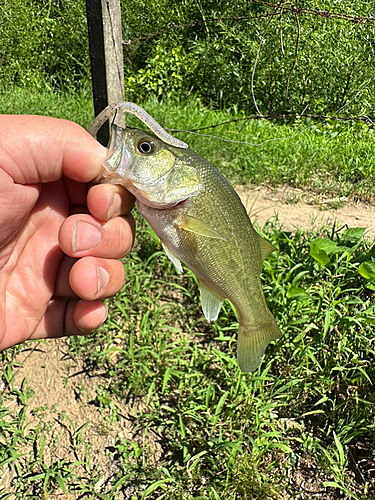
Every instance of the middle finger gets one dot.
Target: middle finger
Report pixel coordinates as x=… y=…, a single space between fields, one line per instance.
x=83 y=235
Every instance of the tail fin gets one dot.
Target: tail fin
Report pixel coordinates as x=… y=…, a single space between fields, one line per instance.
x=252 y=342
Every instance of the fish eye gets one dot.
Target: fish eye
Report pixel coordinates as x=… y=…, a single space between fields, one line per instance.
x=146 y=146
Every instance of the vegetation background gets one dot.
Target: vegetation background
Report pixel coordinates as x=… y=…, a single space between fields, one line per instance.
x=310 y=61
x=303 y=425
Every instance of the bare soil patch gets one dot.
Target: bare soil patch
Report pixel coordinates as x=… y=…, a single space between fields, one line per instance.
x=64 y=393
x=295 y=208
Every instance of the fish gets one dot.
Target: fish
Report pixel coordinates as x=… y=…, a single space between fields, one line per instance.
x=201 y=222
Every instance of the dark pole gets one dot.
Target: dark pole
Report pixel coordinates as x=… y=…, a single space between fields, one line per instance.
x=106 y=57
x=97 y=60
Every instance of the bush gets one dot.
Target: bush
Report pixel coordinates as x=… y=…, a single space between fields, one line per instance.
x=43 y=44
x=305 y=62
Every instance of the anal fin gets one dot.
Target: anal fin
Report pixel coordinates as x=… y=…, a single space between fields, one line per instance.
x=211 y=302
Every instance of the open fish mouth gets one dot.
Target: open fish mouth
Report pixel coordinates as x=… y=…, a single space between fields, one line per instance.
x=178 y=204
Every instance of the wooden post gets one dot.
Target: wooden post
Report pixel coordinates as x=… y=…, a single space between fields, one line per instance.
x=106 y=57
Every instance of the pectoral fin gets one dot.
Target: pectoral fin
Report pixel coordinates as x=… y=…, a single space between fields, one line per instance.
x=211 y=302
x=172 y=257
x=200 y=227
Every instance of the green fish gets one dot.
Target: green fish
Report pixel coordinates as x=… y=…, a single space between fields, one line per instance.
x=201 y=222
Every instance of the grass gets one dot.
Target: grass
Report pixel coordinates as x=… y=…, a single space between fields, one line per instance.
x=332 y=158
x=302 y=426
x=220 y=433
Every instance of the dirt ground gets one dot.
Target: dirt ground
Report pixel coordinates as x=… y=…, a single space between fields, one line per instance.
x=55 y=378
x=295 y=208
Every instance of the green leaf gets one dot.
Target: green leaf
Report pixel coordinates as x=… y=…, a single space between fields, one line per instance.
x=353 y=233
x=296 y=291
x=367 y=270
x=283 y=447
x=61 y=482
x=319 y=251
x=331 y=484
x=340 y=449
x=324 y=244
x=343 y=249
x=327 y=321
x=154 y=486
x=221 y=403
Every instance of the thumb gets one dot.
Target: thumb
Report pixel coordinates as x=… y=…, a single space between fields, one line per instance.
x=37 y=149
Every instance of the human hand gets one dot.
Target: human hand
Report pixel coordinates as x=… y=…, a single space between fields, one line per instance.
x=59 y=240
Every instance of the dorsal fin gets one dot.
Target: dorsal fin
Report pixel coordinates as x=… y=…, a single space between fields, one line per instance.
x=265 y=248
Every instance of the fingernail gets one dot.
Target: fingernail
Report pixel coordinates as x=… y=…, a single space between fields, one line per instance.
x=85 y=236
x=114 y=206
x=106 y=313
x=103 y=278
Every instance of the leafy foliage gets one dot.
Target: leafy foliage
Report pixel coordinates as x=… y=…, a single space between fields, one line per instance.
x=307 y=63
x=43 y=44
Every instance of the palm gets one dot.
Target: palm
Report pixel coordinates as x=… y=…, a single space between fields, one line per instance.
x=30 y=261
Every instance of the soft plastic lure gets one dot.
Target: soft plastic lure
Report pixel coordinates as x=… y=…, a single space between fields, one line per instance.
x=133 y=109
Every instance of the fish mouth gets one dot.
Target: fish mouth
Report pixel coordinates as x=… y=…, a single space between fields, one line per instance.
x=107 y=177
x=178 y=204
x=155 y=206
